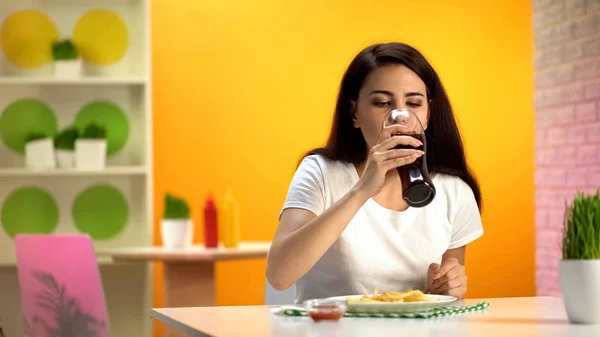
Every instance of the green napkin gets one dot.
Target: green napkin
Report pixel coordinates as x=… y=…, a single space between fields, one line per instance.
x=431 y=313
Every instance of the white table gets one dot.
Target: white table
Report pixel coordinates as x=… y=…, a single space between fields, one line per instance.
x=189 y=274
x=512 y=317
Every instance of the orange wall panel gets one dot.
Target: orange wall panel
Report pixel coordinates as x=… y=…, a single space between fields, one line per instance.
x=242 y=88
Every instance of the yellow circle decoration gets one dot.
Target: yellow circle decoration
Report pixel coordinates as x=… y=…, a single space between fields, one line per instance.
x=101 y=37
x=27 y=38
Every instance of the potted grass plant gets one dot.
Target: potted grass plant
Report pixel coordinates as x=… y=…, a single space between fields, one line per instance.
x=64 y=145
x=67 y=63
x=39 y=151
x=90 y=148
x=176 y=226
x=579 y=269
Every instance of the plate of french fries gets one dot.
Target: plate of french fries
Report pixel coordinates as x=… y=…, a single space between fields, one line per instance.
x=395 y=301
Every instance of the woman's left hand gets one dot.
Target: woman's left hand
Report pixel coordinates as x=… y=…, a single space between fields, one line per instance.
x=448 y=279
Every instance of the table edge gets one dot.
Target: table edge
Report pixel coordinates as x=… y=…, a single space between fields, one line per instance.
x=189 y=259
x=188 y=256
x=157 y=315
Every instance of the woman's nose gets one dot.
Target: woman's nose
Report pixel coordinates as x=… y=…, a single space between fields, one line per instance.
x=400 y=116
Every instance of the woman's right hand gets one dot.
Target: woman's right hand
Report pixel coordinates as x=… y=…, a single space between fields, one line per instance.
x=303 y=237
x=383 y=158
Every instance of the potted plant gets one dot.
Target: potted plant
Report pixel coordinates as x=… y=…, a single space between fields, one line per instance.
x=90 y=148
x=176 y=226
x=64 y=145
x=39 y=151
x=579 y=269
x=66 y=60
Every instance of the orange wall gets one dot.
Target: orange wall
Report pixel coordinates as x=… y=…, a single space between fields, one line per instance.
x=242 y=88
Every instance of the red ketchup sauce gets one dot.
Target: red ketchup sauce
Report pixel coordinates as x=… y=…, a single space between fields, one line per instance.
x=326 y=312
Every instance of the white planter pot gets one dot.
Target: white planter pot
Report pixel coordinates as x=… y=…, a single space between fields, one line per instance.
x=177 y=233
x=580 y=285
x=90 y=154
x=65 y=158
x=67 y=69
x=39 y=154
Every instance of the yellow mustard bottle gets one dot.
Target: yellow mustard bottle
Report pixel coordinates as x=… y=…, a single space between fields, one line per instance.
x=231 y=225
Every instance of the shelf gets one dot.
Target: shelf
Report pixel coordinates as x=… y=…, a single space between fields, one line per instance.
x=24 y=80
x=109 y=171
x=72 y=201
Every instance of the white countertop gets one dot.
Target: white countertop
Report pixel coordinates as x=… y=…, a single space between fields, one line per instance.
x=512 y=317
x=245 y=250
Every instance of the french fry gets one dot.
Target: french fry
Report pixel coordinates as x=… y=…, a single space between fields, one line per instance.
x=394 y=297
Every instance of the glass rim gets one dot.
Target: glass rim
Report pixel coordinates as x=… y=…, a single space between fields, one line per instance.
x=385 y=121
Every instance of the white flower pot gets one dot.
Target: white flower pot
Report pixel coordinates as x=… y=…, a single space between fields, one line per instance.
x=90 y=154
x=39 y=154
x=177 y=233
x=580 y=285
x=67 y=69
x=65 y=158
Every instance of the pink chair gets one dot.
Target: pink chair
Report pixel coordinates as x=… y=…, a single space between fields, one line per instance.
x=61 y=290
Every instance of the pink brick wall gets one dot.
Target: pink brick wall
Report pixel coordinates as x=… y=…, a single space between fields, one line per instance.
x=567 y=133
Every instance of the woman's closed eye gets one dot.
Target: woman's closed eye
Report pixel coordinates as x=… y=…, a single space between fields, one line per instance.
x=413 y=104
x=382 y=104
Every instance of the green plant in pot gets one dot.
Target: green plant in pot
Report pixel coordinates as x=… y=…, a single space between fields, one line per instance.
x=176 y=226
x=90 y=148
x=34 y=136
x=64 y=145
x=580 y=264
x=94 y=131
x=66 y=59
x=39 y=151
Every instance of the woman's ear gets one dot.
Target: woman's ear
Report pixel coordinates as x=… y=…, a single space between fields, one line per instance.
x=353 y=108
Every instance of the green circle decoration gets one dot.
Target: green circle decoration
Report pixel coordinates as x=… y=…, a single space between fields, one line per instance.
x=29 y=210
x=110 y=116
x=23 y=117
x=100 y=211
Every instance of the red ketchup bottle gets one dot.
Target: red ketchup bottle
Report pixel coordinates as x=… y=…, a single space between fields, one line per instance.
x=211 y=228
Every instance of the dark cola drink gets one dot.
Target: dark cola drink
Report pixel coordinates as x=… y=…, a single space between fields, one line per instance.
x=417 y=187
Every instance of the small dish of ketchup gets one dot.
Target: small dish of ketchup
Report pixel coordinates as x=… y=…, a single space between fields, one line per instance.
x=325 y=310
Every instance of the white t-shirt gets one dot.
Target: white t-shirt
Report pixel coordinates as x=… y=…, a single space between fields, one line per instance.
x=380 y=248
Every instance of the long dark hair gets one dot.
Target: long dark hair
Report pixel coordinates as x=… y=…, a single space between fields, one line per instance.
x=445 y=153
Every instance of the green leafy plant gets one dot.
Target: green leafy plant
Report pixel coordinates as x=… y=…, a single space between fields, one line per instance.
x=581 y=239
x=35 y=136
x=64 y=50
x=63 y=314
x=65 y=140
x=94 y=131
x=176 y=208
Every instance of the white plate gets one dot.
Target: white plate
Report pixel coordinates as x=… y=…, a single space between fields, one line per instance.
x=393 y=307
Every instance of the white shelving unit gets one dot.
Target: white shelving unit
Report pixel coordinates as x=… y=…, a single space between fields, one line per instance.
x=96 y=81
x=128 y=287
x=109 y=171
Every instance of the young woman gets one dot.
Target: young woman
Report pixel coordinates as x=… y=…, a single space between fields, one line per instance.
x=345 y=228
